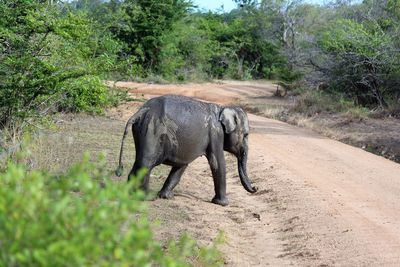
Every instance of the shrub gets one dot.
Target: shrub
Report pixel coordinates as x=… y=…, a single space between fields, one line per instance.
x=80 y=218
x=45 y=48
x=87 y=93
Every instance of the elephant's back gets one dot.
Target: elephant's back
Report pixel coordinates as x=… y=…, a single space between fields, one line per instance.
x=189 y=123
x=175 y=100
x=185 y=106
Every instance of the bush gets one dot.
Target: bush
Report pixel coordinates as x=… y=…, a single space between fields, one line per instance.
x=87 y=93
x=47 y=50
x=81 y=218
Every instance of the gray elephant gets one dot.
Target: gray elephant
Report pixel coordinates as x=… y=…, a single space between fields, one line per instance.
x=175 y=130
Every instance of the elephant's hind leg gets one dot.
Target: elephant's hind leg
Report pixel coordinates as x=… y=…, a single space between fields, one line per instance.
x=173 y=179
x=138 y=165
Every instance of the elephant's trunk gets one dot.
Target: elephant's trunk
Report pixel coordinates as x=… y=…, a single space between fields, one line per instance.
x=244 y=179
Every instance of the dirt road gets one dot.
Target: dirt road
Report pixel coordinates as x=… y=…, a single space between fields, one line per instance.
x=320 y=202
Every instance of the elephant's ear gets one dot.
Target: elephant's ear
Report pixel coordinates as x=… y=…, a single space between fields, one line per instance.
x=228 y=118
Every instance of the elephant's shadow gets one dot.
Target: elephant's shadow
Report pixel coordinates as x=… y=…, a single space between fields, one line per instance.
x=185 y=195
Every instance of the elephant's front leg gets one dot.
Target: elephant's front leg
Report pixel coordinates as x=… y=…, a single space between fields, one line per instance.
x=172 y=180
x=216 y=160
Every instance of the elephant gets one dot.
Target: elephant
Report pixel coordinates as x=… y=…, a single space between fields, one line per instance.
x=175 y=130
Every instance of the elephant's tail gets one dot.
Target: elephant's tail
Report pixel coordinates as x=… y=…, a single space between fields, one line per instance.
x=132 y=120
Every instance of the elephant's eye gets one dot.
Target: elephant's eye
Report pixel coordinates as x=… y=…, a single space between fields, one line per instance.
x=246 y=134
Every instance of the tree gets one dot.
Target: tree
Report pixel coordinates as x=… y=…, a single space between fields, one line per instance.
x=26 y=28
x=48 y=54
x=253 y=47
x=363 y=57
x=142 y=25
x=187 y=50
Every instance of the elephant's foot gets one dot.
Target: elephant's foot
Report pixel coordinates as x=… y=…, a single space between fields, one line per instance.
x=166 y=194
x=223 y=201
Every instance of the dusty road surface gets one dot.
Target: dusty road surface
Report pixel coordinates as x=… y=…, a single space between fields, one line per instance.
x=320 y=202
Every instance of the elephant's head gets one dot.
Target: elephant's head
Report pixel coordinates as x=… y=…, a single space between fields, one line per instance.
x=236 y=127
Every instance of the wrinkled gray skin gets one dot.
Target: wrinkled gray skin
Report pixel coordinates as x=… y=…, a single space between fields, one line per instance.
x=175 y=130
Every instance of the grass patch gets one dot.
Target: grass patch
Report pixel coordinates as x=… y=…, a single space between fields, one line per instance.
x=315 y=102
x=63 y=145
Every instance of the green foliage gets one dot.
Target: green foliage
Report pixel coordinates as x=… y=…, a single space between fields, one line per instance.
x=254 y=55
x=24 y=74
x=87 y=93
x=363 y=58
x=54 y=55
x=137 y=39
x=393 y=7
x=82 y=218
x=143 y=23
x=187 y=50
x=42 y=50
x=348 y=36
x=209 y=45
x=165 y=38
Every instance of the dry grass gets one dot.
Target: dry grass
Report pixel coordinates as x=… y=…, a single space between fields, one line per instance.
x=58 y=148
x=65 y=143
x=335 y=118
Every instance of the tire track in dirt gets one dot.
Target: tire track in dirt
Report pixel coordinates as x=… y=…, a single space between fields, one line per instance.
x=320 y=202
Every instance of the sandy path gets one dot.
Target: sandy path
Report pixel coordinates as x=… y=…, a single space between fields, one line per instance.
x=320 y=202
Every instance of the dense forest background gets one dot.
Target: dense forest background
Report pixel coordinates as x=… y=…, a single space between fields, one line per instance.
x=55 y=55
